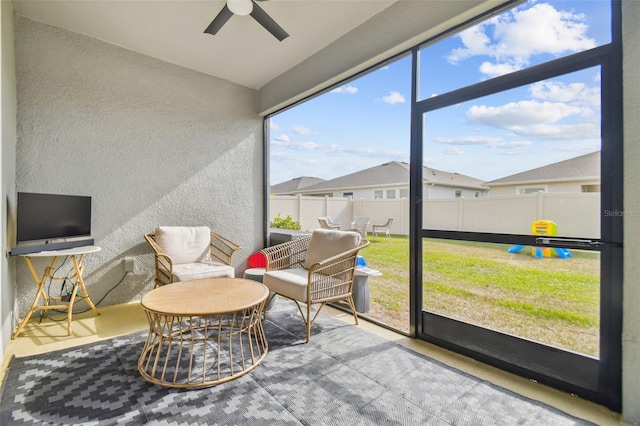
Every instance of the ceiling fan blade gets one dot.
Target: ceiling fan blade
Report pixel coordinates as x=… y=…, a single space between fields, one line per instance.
x=268 y=23
x=219 y=20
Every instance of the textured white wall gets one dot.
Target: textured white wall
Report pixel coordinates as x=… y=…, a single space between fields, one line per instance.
x=631 y=289
x=8 y=167
x=151 y=142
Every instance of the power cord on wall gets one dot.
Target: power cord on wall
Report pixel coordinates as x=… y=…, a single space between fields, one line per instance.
x=67 y=280
x=107 y=293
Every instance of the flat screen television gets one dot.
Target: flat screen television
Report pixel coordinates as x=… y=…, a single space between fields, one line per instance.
x=48 y=217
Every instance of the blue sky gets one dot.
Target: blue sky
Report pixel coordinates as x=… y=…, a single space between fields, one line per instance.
x=365 y=122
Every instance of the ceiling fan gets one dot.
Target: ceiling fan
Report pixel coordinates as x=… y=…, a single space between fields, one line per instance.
x=243 y=8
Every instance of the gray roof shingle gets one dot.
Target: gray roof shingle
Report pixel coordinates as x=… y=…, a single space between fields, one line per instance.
x=290 y=186
x=392 y=173
x=582 y=167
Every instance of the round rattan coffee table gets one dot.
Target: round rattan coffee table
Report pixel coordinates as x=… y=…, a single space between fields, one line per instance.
x=203 y=332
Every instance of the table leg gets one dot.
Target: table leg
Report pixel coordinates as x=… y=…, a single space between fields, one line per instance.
x=41 y=295
x=77 y=264
x=34 y=305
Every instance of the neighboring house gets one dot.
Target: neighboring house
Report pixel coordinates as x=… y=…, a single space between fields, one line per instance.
x=391 y=181
x=291 y=186
x=578 y=174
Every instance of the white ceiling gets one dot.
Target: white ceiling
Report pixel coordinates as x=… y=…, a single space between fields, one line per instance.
x=173 y=30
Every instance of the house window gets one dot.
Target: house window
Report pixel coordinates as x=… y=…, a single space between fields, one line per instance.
x=391 y=194
x=404 y=193
x=477 y=194
x=378 y=195
x=531 y=190
x=347 y=194
x=590 y=188
x=458 y=193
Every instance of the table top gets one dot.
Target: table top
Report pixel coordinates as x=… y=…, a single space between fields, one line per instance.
x=209 y=296
x=64 y=252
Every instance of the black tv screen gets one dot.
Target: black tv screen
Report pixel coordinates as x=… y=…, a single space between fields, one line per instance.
x=52 y=216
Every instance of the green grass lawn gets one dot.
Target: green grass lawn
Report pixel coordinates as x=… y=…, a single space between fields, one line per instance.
x=551 y=300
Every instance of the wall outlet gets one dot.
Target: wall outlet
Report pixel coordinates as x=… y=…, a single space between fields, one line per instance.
x=128 y=264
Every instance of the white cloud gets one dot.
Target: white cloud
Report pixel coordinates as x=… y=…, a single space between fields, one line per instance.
x=282 y=140
x=561 y=111
x=393 y=98
x=301 y=130
x=512 y=38
x=396 y=155
x=492 y=142
x=303 y=146
x=496 y=70
x=475 y=42
x=564 y=131
x=542 y=29
x=518 y=114
x=306 y=145
x=338 y=150
x=350 y=90
x=509 y=145
x=273 y=125
x=284 y=143
x=468 y=140
x=574 y=93
x=311 y=161
x=452 y=151
x=534 y=119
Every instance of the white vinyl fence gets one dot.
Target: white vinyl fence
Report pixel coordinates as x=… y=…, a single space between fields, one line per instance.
x=575 y=214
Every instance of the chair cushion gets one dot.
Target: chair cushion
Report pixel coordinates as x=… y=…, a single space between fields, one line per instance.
x=288 y=282
x=196 y=271
x=184 y=244
x=326 y=243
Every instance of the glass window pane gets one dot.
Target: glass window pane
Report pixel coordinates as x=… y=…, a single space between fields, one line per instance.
x=551 y=300
x=532 y=150
x=353 y=141
x=530 y=34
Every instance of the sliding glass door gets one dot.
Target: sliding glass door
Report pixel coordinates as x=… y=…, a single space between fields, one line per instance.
x=516 y=183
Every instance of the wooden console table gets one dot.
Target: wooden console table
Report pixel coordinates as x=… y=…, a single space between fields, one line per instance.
x=79 y=291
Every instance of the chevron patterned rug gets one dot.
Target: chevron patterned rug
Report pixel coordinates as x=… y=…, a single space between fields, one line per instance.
x=344 y=376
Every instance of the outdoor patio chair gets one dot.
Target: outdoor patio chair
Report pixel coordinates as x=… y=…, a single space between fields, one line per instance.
x=184 y=253
x=383 y=228
x=327 y=223
x=314 y=269
x=360 y=224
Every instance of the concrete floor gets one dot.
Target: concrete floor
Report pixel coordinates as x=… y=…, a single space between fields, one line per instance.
x=47 y=335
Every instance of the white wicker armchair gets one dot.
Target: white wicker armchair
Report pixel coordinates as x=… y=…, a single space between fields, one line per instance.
x=185 y=253
x=315 y=269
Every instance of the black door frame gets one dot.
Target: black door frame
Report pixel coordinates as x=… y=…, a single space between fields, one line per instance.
x=598 y=380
